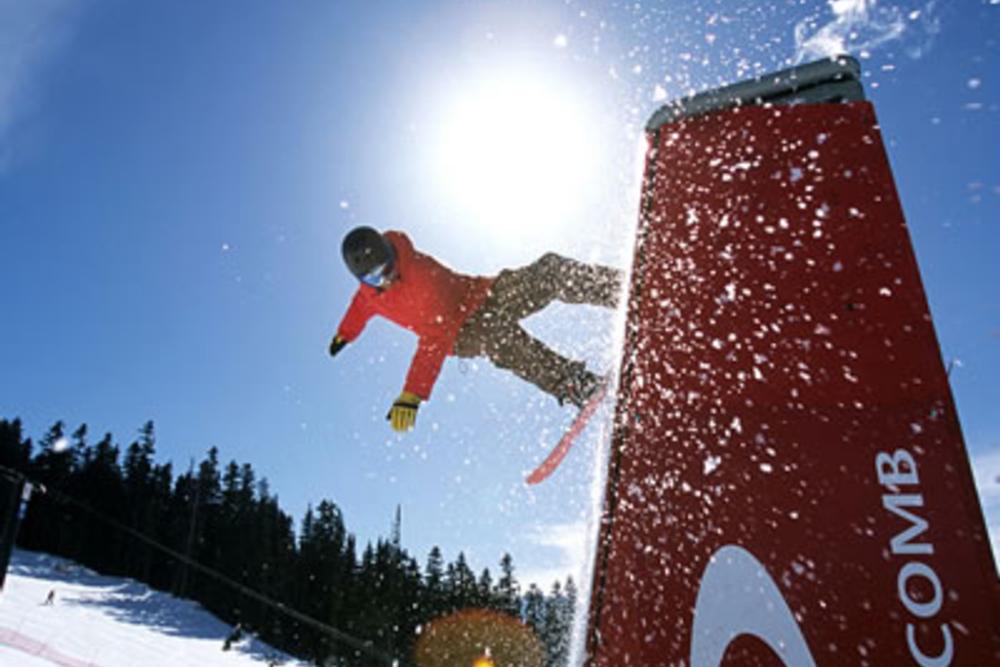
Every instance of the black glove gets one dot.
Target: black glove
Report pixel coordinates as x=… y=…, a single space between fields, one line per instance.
x=336 y=345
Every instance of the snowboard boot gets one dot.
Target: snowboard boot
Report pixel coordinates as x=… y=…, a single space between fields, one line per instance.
x=579 y=386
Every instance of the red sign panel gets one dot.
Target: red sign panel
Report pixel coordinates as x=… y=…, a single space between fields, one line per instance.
x=788 y=483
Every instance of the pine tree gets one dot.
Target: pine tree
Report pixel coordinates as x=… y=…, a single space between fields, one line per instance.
x=100 y=482
x=572 y=598
x=462 y=584
x=556 y=627
x=80 y=449
x=15 y=451
x=325 y=572
x=75 y=537
x=534 y=609
x=231 y=547
x=182 y=527
x=276 y=562
x=484 y=590
x=433 y=599
x=49 y=521
x=54 y=462
x=507 y=591
x=410 y=614
x=160 y=567
x=207 y=523
x=138 y=468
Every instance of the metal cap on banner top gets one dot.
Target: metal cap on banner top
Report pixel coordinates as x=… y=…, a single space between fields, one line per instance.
x=831 y=80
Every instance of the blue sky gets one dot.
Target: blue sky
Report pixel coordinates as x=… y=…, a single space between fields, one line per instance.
x=175 y=179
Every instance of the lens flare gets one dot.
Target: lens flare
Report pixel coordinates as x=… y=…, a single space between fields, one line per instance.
x=478 y=638
x=483 y=661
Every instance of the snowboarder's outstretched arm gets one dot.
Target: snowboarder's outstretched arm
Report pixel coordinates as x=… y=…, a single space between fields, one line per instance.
x=424 y=370
x=353 y=322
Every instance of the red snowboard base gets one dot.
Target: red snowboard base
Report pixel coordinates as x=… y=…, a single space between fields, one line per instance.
x=558 y=453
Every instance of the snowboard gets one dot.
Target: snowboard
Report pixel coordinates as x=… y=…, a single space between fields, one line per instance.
x=558 y=453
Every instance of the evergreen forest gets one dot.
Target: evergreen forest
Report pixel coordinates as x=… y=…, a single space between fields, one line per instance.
x=216 y=534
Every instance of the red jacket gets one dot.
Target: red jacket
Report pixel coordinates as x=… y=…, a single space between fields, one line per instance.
x=427 y=298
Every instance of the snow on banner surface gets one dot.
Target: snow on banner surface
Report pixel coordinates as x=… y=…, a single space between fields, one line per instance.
x=788 y=483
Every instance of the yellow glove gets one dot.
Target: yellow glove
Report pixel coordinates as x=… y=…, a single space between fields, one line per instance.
x=403 y=414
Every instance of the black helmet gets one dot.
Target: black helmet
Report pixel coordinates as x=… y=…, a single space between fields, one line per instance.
x=368 y=255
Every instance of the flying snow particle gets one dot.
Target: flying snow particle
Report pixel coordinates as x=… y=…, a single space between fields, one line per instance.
x=560 y=41
x=344 y=204
x=711 y=464
x=60 y=445
x=855 y=26
x=974 y=83
x=659 y=93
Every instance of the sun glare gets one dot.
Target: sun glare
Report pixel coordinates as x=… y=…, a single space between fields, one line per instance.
x=516 y=151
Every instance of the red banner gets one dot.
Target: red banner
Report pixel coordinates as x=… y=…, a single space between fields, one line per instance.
x=788 y=483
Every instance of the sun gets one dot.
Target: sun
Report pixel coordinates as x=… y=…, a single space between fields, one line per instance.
x=516 y=152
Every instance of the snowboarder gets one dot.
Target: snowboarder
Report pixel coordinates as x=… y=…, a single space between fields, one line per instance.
x=233 y=637
x=468 y=316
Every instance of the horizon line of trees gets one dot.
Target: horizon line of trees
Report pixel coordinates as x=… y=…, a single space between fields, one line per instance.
x=227 y=520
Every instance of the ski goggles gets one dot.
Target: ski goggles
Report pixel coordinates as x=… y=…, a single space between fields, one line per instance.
x=378 y=277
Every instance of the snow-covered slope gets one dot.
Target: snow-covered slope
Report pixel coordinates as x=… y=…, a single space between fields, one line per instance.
x=98 y=621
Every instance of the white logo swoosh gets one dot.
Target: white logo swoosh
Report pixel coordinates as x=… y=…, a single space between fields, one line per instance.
x=738 y=597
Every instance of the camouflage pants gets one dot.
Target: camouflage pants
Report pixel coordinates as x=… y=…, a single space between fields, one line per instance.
x=494 y=331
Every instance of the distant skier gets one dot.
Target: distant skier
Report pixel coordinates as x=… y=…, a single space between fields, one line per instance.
x=468 y=316
x=50 y=599
x=233 y=637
